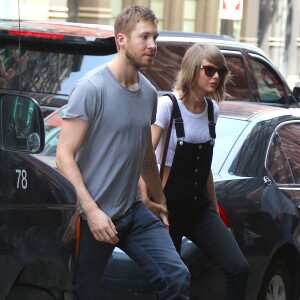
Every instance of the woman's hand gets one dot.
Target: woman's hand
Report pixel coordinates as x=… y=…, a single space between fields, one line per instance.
x=160 y=211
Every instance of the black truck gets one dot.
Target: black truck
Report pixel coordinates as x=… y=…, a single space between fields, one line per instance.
x=38 y=211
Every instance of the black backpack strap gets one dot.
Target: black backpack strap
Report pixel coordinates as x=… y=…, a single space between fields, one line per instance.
x=177 y=117
x=211 y=119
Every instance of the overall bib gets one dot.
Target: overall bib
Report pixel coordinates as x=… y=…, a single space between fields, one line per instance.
x=192 y=213
x=185 y=189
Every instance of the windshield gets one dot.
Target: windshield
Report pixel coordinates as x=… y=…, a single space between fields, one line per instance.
x=228 y=131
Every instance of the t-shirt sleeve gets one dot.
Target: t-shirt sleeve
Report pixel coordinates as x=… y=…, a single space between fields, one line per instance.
x=83 y=101
x=164 y=111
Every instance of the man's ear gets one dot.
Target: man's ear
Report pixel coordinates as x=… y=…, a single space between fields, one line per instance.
x=121 y=40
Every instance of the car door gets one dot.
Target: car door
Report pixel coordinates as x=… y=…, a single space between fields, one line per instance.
x=283 y=165
x=4 y=182
x=37 y=209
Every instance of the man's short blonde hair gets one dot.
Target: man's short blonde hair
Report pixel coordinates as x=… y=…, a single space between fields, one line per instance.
x=127 y=19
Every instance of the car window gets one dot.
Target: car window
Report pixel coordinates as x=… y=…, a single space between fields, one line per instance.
x=166 y=65
x=228 y=131
x=8 y=63
x=277 y=162
x=238 y=87
x=270 y=89
x=45 y=71
x=284 y=157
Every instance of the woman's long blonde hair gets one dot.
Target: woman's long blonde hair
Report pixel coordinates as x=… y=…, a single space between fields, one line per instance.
x=191 y=61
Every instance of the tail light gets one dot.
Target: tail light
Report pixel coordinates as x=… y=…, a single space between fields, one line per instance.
x=36 y=33
x=224 y=216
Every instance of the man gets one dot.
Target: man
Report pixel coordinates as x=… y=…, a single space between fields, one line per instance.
x=105 y=144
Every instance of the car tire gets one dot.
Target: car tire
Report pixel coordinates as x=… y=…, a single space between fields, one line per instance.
x=276 y=283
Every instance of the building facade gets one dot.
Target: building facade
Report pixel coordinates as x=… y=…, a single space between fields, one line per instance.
x=272 y=25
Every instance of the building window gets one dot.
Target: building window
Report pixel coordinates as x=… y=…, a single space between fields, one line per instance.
x=158 y=8
x=189 y=15
x=116 y=7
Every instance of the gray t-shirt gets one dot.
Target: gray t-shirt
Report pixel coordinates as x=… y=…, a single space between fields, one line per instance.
x=113 y=150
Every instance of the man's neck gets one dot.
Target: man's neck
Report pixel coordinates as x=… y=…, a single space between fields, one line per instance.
x=126 y=74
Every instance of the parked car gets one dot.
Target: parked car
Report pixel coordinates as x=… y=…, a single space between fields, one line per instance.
x=43 y=60
x=38 y=210
x=256 y=169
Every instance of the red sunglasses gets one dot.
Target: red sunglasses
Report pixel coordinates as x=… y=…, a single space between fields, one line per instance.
x=211 y=71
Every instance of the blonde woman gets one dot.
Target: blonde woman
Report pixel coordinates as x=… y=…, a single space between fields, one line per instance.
x=187 y=177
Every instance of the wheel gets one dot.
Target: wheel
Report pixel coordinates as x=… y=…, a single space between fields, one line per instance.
x=276 y=284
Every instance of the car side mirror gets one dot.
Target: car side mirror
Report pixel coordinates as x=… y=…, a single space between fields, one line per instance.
x=296 y=93
x=21 y=124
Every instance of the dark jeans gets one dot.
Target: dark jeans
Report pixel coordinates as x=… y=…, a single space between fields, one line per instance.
x=209 y=233
x=144 y=238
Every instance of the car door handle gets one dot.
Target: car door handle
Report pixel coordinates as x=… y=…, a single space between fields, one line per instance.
x=267 y=180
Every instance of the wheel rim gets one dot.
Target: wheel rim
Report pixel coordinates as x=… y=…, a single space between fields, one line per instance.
x=276 y=289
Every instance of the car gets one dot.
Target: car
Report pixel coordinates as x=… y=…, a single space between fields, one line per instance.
x=43 y=60
x=256 y=168
x=38 y=210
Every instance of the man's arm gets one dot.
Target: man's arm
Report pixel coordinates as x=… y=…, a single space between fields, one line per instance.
x=150 y=175
x=72 y=135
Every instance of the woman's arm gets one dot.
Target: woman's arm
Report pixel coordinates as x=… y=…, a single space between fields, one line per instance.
x=151 y=181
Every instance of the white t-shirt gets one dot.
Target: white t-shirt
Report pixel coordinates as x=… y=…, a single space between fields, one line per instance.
x=195 y=126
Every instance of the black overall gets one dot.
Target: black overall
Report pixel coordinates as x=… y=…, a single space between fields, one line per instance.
x=192 y=213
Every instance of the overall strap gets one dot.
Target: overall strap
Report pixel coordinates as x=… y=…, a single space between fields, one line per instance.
x=176 y=116
x=211 y=121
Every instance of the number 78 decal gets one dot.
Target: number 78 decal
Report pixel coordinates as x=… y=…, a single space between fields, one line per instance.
x=22 y=179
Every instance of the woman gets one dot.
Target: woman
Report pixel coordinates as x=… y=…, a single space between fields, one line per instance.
x=187 y=177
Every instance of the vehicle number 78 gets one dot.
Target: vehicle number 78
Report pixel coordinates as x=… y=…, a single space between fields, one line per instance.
x=22 y=179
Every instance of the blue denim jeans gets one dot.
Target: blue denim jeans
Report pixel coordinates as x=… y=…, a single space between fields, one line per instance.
x=143 y=238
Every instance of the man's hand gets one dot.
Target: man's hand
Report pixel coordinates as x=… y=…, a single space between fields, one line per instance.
x=102 y=227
